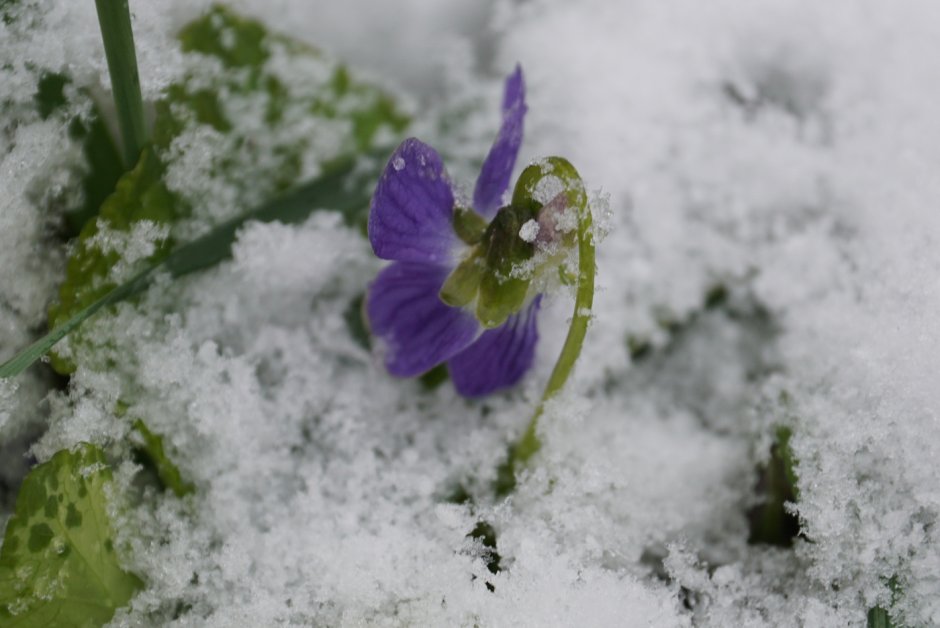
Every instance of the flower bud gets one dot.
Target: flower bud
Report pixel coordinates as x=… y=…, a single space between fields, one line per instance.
x=530 y=236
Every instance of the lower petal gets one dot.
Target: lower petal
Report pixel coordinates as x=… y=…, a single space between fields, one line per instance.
x=418 y=330
x=500 y=357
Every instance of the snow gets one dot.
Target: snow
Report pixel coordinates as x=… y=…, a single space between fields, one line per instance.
x=133 y=246
x=784 y=151
x=529 y=231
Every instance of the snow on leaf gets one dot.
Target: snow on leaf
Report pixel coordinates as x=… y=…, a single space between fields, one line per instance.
x=58 y=564
x=272 y=110
x=164 y=188
x=140 y=196
x=240 y=43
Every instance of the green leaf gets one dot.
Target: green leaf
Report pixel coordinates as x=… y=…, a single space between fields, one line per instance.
x=140 y=196
x=58 y=565
x=485 y=536
x=8 y=11
x=104 y=169
x=50 y=93
x=879 y=618
x=152 y=450
x=236 y=41
x=771 y=522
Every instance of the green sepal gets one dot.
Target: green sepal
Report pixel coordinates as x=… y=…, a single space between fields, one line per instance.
x=469 y=226
x=58 y=565
x=462 y=285
x=502 y=294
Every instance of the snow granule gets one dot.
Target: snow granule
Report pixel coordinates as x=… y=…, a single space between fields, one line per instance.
x=529 y=231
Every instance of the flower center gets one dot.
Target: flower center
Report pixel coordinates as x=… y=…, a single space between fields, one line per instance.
x=529 y=236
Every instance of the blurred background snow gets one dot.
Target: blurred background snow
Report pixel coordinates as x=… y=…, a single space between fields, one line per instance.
x=785 y=151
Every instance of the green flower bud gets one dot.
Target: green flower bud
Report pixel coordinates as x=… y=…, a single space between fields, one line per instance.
x=552 y=189
x=531 y=236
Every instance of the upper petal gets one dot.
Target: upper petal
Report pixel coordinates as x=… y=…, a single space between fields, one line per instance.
x=418 y=330
x=500 y=357
x=497 y=169
x=412 y=208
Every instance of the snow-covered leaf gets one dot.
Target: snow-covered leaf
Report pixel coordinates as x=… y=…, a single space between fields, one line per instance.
x=131 y=226
x=136 y=226
x=58 y=565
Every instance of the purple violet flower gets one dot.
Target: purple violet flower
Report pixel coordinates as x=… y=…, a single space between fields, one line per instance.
x=415 y=222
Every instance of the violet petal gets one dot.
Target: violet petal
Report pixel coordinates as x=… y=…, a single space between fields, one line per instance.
x=412 y=208
x=497 y=168
x=500 y=357
x=418 y=330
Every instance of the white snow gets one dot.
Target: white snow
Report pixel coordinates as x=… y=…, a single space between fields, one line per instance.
x=529 y=231
x=786 y=151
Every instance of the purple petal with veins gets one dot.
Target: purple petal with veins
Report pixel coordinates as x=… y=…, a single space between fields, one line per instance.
x=500 y=357
x=410 y=219
x=497 y=168
x=417 y=329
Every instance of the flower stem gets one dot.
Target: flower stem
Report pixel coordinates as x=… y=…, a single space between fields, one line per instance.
x=528 y=444
x=115 y=20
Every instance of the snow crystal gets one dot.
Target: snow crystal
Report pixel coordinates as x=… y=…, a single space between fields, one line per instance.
x=529 y=231
x=549 y=186
x=131 y=246
x=8 y=388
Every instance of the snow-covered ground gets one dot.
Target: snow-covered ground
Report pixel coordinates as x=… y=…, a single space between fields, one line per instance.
x=783 y=154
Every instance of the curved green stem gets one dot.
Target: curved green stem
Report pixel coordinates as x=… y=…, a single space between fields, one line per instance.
x=529 y=444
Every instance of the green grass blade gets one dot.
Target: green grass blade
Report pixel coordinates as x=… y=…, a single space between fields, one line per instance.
x=879 y=618
x=22 y=360
x=115 y=20
x=330 y=191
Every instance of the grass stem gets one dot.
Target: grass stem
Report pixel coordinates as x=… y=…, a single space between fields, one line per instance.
x=115 y=20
